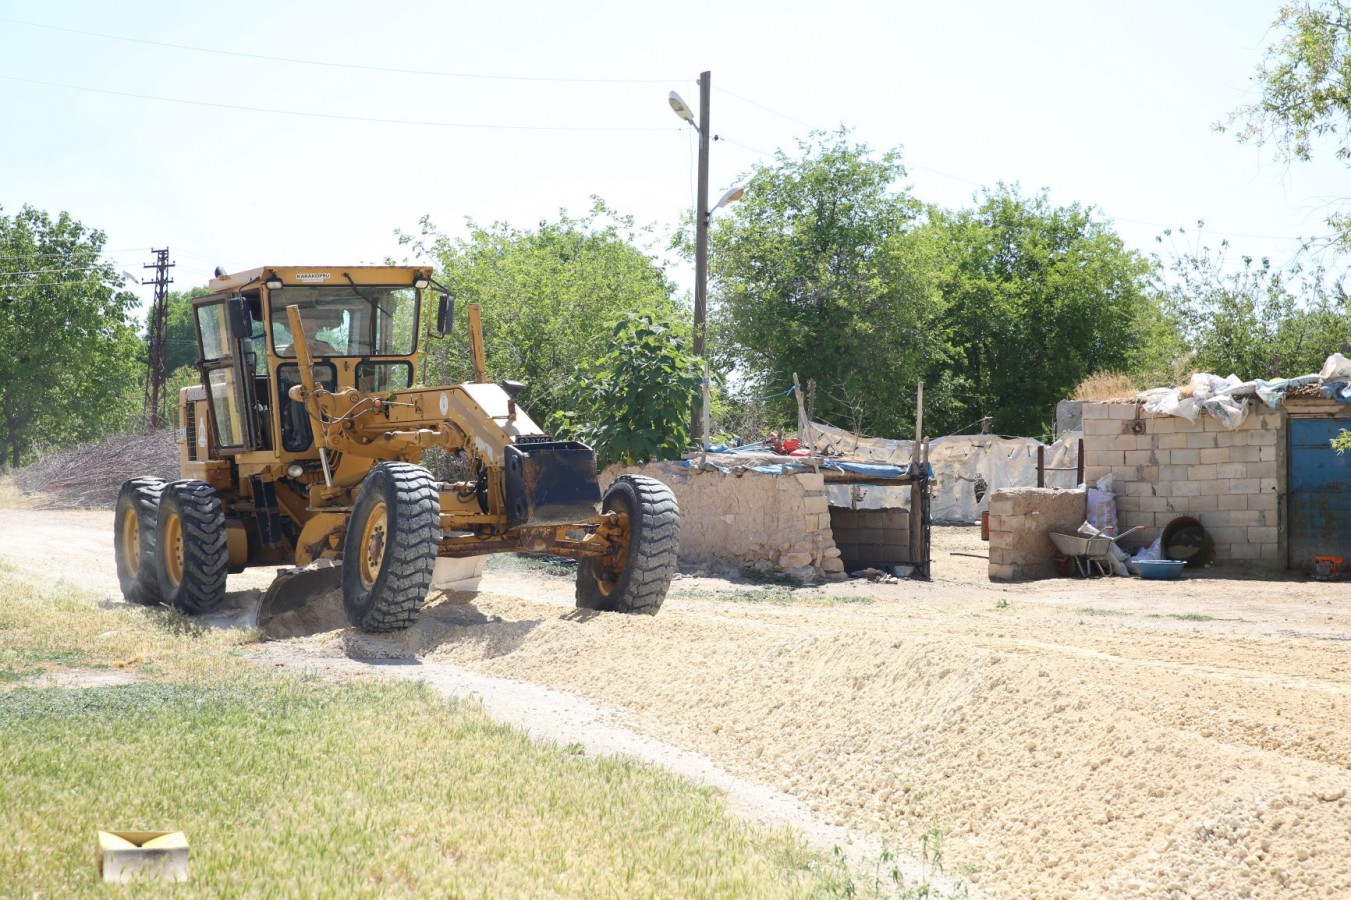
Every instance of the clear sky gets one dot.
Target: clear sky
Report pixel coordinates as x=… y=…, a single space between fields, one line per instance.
x=539 y=105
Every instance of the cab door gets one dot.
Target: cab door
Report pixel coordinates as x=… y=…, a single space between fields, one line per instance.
x=227 y=374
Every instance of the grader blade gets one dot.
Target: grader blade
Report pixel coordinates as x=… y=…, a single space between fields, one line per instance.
x=301 y=602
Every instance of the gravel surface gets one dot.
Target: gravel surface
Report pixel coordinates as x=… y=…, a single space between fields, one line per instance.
x=1071 y=738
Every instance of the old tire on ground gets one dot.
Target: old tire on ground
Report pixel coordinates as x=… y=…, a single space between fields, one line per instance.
x=190 y=547
x=134 y=539
x=390 y=548
x=636 y=579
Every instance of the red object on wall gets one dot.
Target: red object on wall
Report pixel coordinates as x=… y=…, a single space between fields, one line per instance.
x=985 y=525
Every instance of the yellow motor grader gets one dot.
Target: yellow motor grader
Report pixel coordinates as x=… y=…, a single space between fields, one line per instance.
x=302 y=448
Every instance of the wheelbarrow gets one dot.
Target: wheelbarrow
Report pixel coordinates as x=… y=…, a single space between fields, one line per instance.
x=1088 y=553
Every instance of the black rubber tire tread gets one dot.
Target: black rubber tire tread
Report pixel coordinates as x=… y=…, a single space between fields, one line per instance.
x=205 y=555
x=413 y=514
x=143 y=496
x=654 y=542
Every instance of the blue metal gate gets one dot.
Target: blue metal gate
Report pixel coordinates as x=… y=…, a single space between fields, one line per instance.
x=1319 y=518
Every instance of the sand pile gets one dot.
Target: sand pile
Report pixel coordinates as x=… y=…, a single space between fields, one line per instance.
x=1060 y=762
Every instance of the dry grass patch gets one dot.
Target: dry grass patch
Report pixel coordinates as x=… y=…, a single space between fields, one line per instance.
x=287 y=785
x=1106 y=386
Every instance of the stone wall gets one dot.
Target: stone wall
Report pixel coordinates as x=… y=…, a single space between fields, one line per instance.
x=1019 y=521
x=772 y=522
x=871 y=537
x=1166 y=467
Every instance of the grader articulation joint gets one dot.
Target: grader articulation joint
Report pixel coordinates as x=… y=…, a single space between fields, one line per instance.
x=302 y=447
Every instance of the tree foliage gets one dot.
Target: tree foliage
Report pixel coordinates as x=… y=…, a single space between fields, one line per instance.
x=633 y=404
x=819 y=272
x=1305 y=84
x=69 y=352
x=180 y=332
x=831 y=270
x=1252 y=319
x=548 y=296
x=1038 y=298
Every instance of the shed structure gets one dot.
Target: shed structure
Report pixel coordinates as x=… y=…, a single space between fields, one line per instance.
x=1272 y=493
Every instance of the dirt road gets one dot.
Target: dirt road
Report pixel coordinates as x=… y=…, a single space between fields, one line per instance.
x=1104 y=738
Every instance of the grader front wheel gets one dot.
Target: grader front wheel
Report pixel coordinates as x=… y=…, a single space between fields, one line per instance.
x=190 y=547
x=390 y=548
x=134 y=539
x=635 y=575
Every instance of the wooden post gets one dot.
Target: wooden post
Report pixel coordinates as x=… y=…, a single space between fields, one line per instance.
x=804 y=424
x=1079 y=465
x=1041 y=465
x=918 y=484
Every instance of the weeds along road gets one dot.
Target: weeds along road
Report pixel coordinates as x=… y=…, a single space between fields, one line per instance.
x=1066 y=738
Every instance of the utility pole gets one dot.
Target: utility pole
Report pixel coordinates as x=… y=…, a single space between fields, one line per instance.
x=701 y=217
x=157 y=352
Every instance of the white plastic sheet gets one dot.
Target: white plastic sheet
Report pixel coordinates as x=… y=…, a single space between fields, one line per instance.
x=1336 y=368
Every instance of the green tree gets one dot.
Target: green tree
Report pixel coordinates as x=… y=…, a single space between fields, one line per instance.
x=69 y=351
x=633 y=404
x=1039 y=297
x=1305 y=84
x=548 y=297
x=180 y=332
x=820 y=271
x=1251 y=319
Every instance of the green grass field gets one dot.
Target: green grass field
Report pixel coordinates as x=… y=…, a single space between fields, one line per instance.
x=288 y=785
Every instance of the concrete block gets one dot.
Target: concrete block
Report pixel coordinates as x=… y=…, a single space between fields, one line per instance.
x=1000 y=556
x=1093 y=473
x=816 y=504
x=1103 y=457
x=1003 y=540
x=1185 y=457
x=1161 y=424
x=1268 y=486
x=1149 y=504
x=1185 y=489
x=1203 y=472
x=1244 y=485
x=1001 y=504
x=1001 y=572
x=1141 y=458
x=1175 y=441
x=1263 y=534
x=1174 y=473
x=1225 y=534
x=1234 y=469
x=1233 y=501
x=1097 y=429
x=1263 y=438
x=812 y=481
x=1203 y=502
x=1201 y=441
x=1094 y=410
x=1122 y=411
x=1270 y=553
x=1246 y=454
x=1262 y=470
x=1215 y=455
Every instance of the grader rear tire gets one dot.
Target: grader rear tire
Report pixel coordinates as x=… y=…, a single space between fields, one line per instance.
x=134 y=539
x=190 y=547
x=390 y=548
x=635 y=579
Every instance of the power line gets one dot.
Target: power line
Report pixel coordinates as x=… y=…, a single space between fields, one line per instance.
x=765 y=108
x=336 y=116
x=340 y=65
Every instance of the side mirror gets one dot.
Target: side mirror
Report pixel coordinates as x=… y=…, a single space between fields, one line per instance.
x=237 y=314
x=445 y=315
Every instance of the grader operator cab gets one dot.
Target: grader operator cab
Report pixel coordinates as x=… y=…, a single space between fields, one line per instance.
x=302 y=447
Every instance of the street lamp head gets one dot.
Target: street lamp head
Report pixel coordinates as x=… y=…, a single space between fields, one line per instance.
x=731 y=196
x=681 y=108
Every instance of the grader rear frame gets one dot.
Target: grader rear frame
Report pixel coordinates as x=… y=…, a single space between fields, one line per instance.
x=302 y=446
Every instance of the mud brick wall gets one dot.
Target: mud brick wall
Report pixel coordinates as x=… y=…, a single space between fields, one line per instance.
x=1019 y=521
x=1233 y=482
x=773 y=521
x=871 y=537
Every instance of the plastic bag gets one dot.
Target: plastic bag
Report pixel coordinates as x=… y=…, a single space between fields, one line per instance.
x=1336 y=368
x=1227 y=410
x=1152 y=552
x=1102 y=510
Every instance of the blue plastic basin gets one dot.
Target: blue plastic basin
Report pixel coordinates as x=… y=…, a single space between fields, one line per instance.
x=1160 y=569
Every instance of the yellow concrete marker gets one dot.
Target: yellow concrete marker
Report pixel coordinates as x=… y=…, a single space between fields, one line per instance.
x=143 y=856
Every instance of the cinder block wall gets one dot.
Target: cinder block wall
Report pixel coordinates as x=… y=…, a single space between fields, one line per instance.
x=871 y=537
x=1233 y=482
x=1019 y=521
x=782 y=520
